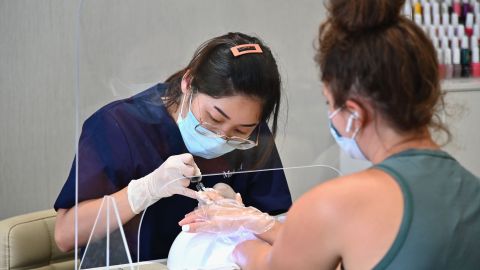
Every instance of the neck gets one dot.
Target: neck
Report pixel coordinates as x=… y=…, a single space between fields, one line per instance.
x=389 y=142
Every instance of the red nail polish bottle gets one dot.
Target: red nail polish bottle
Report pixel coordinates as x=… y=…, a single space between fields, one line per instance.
x=475 y=63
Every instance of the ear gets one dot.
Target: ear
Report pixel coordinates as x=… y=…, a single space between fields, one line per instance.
x=186 y=82
x=359 y=113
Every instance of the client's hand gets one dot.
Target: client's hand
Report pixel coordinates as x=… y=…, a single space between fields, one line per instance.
x=219 y=191
x=227 y=216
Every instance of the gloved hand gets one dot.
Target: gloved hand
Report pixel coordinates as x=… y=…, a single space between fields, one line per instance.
x=166 y=180
x=219 y=191
x=227 y=216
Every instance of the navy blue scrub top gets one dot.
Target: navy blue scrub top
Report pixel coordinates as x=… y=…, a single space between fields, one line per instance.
x=127 y=139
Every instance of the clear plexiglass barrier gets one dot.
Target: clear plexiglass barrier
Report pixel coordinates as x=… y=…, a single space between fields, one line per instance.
x=107 y=245
x=125 y=51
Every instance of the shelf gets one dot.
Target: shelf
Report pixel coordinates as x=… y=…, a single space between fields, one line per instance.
x=461 y=85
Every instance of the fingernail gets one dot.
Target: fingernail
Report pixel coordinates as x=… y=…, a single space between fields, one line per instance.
x=186 y=228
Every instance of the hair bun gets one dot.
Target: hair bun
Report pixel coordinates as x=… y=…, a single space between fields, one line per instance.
x=361 y=15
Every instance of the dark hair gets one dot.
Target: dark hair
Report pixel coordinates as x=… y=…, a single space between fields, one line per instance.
x=216 y=72
x=367 y=50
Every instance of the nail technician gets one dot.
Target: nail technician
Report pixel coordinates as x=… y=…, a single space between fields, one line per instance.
x=210 y=117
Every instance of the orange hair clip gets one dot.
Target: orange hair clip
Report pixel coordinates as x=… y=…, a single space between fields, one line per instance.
x=254 y=48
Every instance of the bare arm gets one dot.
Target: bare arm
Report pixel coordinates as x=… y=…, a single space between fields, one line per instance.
x=270 y=235
x=322 y=227
x=87 y=213
x=305 y=241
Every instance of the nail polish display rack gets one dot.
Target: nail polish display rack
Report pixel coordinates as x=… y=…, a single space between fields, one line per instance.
x=454 y=29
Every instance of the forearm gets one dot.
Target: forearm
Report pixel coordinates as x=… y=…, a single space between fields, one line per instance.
x=87 y=214
x=270 y=235
x=253 y=254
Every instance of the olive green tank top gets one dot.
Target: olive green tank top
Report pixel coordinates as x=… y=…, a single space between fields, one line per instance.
x=440 y=228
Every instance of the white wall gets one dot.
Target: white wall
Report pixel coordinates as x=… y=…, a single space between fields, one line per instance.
x=36 y=102
x=123 y=45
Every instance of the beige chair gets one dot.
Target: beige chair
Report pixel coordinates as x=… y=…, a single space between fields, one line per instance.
x=27 y=242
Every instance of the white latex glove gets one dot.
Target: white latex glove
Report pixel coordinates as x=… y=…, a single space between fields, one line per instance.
x=227 y=216
x=166 y=180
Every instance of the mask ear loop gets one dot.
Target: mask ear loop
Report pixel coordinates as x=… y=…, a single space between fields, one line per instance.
x=179 y=117
x=349 y=123
x=182 y=103
x=330 y=116
x=352 y=117
x=190 y=103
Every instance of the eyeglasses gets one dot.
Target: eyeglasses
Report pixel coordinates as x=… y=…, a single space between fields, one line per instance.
x=210 y=131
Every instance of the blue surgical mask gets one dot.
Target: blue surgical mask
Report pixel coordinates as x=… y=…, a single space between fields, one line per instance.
x=197 y=144
x=348 y=145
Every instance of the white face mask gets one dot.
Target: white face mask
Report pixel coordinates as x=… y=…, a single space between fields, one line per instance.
x=199 y=145
x=348 y=145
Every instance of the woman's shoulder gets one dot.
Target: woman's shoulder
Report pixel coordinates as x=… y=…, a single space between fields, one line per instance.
x=364 y=182
x=348 y=196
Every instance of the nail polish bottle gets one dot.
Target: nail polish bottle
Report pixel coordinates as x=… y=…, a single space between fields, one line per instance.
x=444 y=8
x=418 y=18
x=454 y=43
x=450 y=31
x=441 y=64
x=469 y=24
x=450 y=6
x=473 y=42
x=432 y=31
x=457 y=7
x=435 y=8
x=407 y=10
x=476 y=31
x=445 y=19
x=457 y=67
x=465 y=10
x=417 y=8
x=465 y=59
x=441 y=32
x=460 y=31
x=437 y=19
x=466 y=7
x=426 y=8
x=476 y=7
x=447 y=59
x=475 y=63
x=454 y=18
x=427 y=19
x=435 y=42
x=444 y=43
